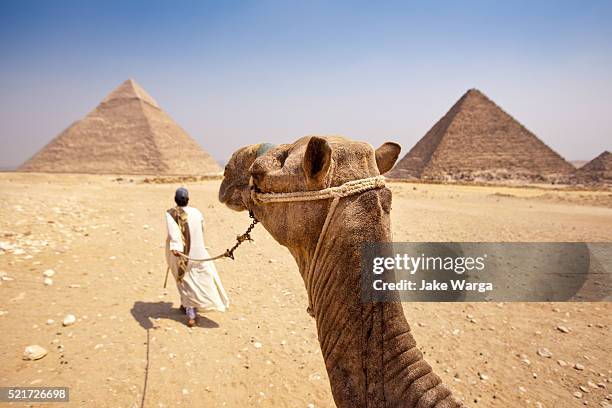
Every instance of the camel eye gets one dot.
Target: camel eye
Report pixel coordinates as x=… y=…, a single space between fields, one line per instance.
x=282 y=157
x=253 y=184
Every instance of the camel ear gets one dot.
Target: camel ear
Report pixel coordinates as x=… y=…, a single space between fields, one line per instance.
x=317 y=160
x=386 y=156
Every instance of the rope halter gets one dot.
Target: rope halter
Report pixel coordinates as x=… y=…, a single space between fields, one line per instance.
x=347 y=189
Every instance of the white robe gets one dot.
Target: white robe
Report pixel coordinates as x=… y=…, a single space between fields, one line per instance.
x=201 y=286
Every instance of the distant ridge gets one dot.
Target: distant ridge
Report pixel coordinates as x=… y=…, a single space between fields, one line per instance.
x=477 y=141
x=126 y=133
x=578 y=163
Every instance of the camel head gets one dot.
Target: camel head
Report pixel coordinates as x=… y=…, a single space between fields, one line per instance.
x=357 y=364
x=310 y=163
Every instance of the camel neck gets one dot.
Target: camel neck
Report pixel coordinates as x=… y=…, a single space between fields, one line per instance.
x=343 y=322
x=367 y=347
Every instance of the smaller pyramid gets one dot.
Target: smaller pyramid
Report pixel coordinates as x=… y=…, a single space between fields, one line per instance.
x=597 y=171
x=477 y=141
x=127 y=133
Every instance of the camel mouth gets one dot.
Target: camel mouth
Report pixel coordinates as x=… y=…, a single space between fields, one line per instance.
x=231 y=197
x=235 y=207
x=233 y=201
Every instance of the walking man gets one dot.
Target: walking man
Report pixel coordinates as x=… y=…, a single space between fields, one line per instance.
x=198 y=282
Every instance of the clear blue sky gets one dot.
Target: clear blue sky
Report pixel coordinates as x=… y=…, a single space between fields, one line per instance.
x=235 y=73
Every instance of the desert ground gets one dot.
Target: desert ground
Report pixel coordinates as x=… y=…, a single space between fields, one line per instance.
x=104 y=237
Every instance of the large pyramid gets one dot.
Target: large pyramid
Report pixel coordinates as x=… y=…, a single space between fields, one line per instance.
x=127 y=133
x=598 y=170
x=477 y=141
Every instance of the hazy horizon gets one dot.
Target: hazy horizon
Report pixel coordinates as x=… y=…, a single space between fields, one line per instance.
x=241 y=73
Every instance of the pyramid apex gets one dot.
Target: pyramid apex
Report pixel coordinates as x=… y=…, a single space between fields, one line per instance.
x=130 y=89
x=603 y=154
x=474 y=92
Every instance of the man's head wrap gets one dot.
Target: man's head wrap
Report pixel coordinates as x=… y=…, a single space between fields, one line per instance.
x=181 y=195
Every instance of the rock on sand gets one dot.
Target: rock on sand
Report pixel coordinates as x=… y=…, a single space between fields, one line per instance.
x=34 y=352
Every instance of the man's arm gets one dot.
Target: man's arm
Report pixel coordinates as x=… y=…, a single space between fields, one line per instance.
x=174 y=232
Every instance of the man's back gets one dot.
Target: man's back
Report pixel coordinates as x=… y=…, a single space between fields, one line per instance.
x=195 y=220
x=196 y=229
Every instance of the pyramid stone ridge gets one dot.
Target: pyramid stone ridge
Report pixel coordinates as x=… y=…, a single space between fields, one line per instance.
x=476 y=140
x=127 y=133
x=177 y=153
x=413 y=163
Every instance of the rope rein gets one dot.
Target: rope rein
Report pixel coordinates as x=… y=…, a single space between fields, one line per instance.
x=229 y=253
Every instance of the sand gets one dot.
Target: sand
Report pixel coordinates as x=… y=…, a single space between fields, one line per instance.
x=104 y=240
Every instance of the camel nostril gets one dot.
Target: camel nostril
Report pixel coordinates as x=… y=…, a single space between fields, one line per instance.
x=223 y=196
x=283 y=157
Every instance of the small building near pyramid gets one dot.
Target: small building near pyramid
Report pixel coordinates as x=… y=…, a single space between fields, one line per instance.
x=597 y=171
x=127 y=133
x=477 y=141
